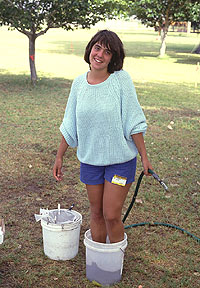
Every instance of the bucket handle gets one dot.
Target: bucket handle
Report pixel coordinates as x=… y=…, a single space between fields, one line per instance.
x=123 y=251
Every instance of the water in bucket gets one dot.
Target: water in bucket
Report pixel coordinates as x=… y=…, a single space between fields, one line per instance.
x=104 y=261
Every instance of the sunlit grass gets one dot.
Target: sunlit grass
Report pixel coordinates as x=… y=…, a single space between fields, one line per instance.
x=59 y=53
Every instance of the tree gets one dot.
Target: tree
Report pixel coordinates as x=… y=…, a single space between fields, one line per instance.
x=160 y=14
x=34 y=18
x=195 y=19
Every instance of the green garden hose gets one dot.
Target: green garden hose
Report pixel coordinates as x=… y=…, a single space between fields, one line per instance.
x=154 y=223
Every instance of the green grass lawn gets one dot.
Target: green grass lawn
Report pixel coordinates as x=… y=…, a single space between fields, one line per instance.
x=169 y=92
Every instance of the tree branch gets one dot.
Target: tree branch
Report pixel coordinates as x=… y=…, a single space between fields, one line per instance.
x=43 y=32
x=27 y=33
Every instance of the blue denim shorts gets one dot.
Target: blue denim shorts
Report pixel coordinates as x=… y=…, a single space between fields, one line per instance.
x=93 y=175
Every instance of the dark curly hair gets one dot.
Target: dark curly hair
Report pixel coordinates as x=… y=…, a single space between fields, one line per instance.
x=111 y=41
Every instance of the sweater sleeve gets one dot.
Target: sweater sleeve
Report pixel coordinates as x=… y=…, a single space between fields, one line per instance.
x=68 y=126
x=133 y=118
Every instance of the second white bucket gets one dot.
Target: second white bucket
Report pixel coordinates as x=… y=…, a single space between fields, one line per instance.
x=61 y=240
x=104 y=262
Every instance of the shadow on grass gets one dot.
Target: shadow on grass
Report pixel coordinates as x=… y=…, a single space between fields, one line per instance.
x=135 y=49
x=182 y=53
x=23 y=81
x=186 y=59
x=165 y=93
x=53 y=92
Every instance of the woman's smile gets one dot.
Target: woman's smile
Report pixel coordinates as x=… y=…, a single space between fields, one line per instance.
x=100 y=57
x=97 y=60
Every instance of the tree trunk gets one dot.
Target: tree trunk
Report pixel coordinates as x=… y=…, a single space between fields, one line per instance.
x=188 y=27
x=32 y=58
x=163 y=36
x=197 y=50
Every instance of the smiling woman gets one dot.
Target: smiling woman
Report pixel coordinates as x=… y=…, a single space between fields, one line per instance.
x=104 y=119
x=100 y=57
x=112 y=43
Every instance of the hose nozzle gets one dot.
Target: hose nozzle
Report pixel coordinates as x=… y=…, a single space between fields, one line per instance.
x=158 y=179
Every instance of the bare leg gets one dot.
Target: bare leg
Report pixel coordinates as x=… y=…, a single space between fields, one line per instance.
x=97 y=222
x=113 y=200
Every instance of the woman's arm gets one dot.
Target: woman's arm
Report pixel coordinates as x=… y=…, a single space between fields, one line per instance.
x=57 y=169
x=139 y=142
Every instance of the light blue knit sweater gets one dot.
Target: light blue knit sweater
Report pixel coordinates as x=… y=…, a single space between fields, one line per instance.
x=100 y=119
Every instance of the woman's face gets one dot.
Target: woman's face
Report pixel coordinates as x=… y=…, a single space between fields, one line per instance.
x=100 y=57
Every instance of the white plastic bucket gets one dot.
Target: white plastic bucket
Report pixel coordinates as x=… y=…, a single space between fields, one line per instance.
x=104 y=261
x=1 y=236
x=2 y=230
x=61 y=240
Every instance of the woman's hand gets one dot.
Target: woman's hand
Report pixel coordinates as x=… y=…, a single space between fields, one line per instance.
x=146 y=165
x=57 y=169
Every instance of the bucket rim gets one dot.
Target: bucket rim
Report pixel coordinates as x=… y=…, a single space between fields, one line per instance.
x=77 y=220
x=59 y=226
x=95 y=244
x=105 y=249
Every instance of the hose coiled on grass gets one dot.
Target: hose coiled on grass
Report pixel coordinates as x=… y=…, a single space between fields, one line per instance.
x=153 y=223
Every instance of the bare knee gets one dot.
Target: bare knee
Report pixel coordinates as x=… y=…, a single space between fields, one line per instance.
x=97 y=215
x=112 y=219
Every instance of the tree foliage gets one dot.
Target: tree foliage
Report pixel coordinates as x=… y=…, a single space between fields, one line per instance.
x=24 y=15
x=34 y=18
x=195 y=14
x=160 y=14
x=195 y=19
